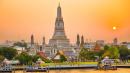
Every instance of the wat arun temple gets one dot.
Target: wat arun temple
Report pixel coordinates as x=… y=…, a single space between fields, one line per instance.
x=59 y=40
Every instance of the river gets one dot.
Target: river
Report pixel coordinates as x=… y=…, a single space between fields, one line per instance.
x=119 y=70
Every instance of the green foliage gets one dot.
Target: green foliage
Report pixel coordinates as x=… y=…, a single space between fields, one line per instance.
x=106 y=47
x=8 y=52
x=123 y=50
x=62 y=58
x=20 y=44
x=24 y=58
x=112 y=53
x=46 y=60
x=75 y=48
x=101 y=52
x=83 y=54
x=85 y=43
x=35 y=58
x=1 y=58
x=129 y=51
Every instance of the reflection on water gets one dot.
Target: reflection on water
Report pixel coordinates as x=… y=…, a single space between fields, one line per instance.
x=119 y=70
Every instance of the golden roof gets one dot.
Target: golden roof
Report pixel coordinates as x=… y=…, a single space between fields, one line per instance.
x=59 y=53
x=96 y=47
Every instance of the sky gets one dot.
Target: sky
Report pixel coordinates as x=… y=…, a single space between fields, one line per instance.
x=94 y=19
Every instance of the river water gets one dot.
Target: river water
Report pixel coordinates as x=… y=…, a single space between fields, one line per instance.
x=119 y=70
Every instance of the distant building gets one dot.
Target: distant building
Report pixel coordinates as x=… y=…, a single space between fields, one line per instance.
x=90 y=45
x=115 y=41
x=125 y=44
x=15 y=42
x=19 y=49
x=128 y=45
x=8 y=43
x=100 y=42
x=109 y=44
x=22 y=41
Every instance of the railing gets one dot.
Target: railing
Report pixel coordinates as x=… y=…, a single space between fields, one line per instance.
x=71 y=63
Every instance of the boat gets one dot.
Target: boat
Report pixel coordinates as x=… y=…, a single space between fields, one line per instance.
x=106 y=67
x=31 y=69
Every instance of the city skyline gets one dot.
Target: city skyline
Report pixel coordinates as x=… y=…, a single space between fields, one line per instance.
x=79 y=17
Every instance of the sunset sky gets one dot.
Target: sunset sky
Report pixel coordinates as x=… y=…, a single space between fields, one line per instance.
x=94 y=19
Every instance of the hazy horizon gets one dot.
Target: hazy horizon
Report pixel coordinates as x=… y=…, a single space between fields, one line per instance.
x=94 y=19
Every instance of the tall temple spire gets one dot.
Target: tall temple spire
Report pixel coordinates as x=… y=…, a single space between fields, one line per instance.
x=82 y=40
x=78 y=40
x=32 y=39
x=59 y=11
x=59 y=32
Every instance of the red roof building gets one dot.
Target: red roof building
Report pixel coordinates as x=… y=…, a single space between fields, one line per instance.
x=42 y=55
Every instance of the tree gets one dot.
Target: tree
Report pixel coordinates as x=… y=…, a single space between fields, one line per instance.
x=75 y=48
x=123 y=50
x=83 y=54
x=129 y=51
x=91 y=55
x=112 y=53
x=62 y=58
x=106 y=47
x=101 y=52
x=8 y=52
x=20 y=44
x=24 y=58
x=35 y=58
x=1 y=58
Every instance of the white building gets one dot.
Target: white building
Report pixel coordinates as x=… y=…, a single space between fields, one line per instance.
x=128 y=45
x=19 y=49
x=8 y=43
x=115 y=41
x=15 y=42
x=90 y=45
x=125 y=44
x=109 y=44
x=22 y=41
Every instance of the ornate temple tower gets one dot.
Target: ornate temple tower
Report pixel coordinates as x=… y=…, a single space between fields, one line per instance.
x=59 y=32
x=43 y=44
x=78 y=41
x=32 y=48
x=59 y=38
x=82 y=41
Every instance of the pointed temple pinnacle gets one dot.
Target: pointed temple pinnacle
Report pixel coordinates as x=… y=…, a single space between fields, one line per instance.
x=59 y=3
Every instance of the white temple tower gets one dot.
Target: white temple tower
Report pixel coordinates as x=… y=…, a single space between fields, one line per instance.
x=59 y=37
